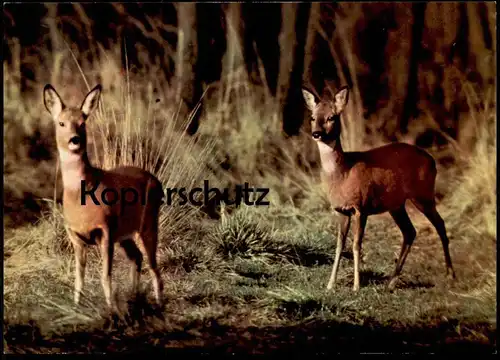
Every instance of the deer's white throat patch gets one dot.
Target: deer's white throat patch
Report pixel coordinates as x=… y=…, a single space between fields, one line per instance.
x=72 y=169
x=328 y=158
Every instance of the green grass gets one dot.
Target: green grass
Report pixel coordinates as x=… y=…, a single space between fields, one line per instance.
x=261 y=284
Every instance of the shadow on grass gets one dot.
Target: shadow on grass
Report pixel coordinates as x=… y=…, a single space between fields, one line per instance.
x=305 y=256
x=368 y=277
x=411 y=284
x=220 y=299
x=188 y=262
x=347 y=255
x=295 y=310
x=254 y=275
x=137 y=312
x=213 y=337
x=302 y=255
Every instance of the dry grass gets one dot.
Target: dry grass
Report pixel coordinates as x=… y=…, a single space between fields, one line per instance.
x=472 y=199
x=259 y=273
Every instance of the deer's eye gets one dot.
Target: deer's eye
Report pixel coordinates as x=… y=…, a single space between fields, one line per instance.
x=61 y=124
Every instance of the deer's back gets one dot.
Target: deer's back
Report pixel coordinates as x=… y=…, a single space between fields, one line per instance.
x=383 y=178
x=138 y=177
x=146 y=184
x=125 y=198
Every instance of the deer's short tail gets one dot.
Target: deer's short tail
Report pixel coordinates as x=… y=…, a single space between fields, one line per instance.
x=154 y=200
x=427 y=173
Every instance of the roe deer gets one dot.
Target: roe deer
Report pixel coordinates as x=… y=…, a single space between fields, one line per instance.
x=372 y=182
x=121 y=222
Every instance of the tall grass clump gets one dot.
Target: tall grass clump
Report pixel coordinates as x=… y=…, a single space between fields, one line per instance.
x=472 y=199
x=136 y=126
x=240 y=234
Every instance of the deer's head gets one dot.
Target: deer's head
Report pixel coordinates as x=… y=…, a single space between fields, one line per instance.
x=325 y=114
x=71 y=135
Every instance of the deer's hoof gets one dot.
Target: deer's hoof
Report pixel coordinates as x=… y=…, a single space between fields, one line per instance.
x=392 y=285
x=451 y=276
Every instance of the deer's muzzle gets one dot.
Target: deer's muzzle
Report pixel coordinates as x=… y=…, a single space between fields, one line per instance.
x=317 y=135
x=75 y=142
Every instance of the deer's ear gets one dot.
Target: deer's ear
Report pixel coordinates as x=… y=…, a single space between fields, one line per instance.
x=340 y=99
x=310 y=99
x=91 y=100
x=52 y=101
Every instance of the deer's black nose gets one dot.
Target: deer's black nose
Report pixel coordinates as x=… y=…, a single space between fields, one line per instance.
x=75 y=140
x=316 y=134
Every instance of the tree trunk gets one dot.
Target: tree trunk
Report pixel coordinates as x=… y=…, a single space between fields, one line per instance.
x=293 y=106
x=287 y=41
x=187 y=54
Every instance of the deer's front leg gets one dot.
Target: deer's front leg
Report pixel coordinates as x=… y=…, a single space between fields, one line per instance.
x=343 y=229
x=80 y=250
x=107 y=249
x=360 y=220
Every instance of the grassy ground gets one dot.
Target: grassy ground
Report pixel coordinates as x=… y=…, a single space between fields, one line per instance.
x=243 y=286
x=251 y=279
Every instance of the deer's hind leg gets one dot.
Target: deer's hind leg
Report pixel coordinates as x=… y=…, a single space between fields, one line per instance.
x=428 y=208
x=403 y=221
x=149 y=238
x=150 y=244
x=135 y=257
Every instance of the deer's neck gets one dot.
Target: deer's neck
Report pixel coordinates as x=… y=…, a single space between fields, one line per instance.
x=332 y=157
x=74 y=169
